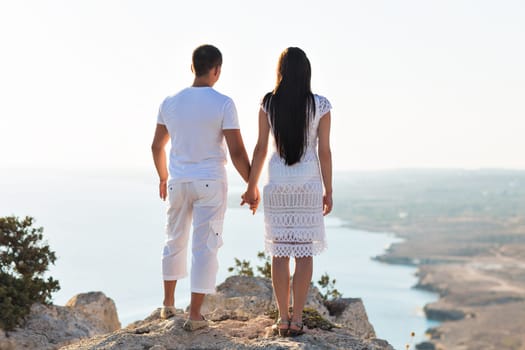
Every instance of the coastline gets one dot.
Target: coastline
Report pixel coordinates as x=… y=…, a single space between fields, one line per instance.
x=464 y=324
x=386 y=289
x=464 y=231
x=403 y=261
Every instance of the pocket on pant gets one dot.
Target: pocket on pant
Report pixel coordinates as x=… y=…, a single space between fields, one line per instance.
x=175 y=196
x=215 y=235
x=211 y=193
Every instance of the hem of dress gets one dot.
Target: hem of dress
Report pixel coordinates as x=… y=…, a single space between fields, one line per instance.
x=318 y=252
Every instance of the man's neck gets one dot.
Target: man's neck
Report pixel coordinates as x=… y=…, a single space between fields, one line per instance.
x=202 y=82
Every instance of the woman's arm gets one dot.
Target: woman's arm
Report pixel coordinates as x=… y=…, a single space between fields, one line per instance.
x=325 y=160
x=259 y=155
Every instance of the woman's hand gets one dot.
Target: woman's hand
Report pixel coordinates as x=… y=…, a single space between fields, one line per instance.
x=252 y=198
x=327 y=203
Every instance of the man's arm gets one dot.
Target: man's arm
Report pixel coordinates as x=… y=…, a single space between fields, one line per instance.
x=160 y=140
x=237 y=151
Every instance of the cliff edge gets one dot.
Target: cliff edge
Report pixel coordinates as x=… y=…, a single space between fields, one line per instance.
x=242 y=313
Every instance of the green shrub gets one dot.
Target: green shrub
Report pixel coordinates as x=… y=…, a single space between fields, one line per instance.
x=241 y=268
x=266 y=269
x=24 y=259
x=330 y=292
x=311 y=318
x=244 y=267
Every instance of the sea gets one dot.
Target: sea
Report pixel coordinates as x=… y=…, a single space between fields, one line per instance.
x=107 y=230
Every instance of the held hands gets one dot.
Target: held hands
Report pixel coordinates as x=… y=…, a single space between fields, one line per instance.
x=252 y=198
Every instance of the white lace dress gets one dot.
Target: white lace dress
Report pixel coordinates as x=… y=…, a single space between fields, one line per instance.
x=293 y=198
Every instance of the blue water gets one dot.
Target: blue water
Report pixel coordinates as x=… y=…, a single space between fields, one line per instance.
x=107 y=231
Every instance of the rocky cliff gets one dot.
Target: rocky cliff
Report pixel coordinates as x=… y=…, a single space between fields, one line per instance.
x=242 y=314
x=49 y=326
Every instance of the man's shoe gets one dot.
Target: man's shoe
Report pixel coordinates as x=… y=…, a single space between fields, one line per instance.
x=167 y=312
x=192 y=325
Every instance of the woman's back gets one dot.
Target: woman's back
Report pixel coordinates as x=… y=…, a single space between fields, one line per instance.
x=308 y=166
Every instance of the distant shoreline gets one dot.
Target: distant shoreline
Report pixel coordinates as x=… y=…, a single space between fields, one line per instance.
x=464 y=231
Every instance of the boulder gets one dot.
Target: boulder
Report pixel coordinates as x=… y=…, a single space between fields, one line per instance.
x=49 y=327
x=350 y=313
x=98 y=308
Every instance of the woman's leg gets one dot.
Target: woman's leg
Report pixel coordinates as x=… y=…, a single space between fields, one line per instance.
x=281 y=285
x=301 y=283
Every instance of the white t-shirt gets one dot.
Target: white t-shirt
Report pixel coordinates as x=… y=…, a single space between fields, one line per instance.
x=195 y=118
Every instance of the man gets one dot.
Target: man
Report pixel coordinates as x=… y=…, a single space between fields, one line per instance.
x=197 y=120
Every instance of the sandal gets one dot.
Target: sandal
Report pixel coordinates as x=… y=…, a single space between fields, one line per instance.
x=167 y=312
x=296 y=332
x=282 y=332
x=192 y=325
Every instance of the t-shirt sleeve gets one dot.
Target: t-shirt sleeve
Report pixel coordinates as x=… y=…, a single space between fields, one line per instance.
x=230 y=119
x=160 y=117
x=324 y=106
x=265 y=101
x=263 y=106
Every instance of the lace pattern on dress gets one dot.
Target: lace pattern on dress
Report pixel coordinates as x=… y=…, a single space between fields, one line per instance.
x=293 y=199
x=323 y=105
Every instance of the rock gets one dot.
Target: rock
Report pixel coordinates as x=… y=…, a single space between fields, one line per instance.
x=350 y=313
x=240 y=314
x=425 y=346
x=229 y=334
x=439 y=311
x=242 y=298
x=239 y=298
x=434 y=333
x=99 y=308
x=157 y=347
x=50 y=327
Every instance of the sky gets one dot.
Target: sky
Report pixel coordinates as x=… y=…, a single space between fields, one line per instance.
x=413 y=84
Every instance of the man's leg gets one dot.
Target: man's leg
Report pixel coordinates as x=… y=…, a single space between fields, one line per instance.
x=175 y=250
x=208 y=217
x=195 y=307
x=169 y=293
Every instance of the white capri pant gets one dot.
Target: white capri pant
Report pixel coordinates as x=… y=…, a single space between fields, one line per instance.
x=204 y=203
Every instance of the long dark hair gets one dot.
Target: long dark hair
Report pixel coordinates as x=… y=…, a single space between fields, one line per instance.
x=291 y=104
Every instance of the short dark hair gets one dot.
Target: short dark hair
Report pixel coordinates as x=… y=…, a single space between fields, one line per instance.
x=205 y=58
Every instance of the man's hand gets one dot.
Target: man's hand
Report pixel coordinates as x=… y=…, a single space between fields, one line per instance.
x=252 y=198
x=163 y=189
x=160 y=140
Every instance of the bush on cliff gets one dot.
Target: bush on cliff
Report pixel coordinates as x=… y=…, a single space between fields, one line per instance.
x=24 y=258
x=328 y=285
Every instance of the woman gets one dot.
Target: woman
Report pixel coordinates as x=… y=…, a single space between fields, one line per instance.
x=299 y=189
